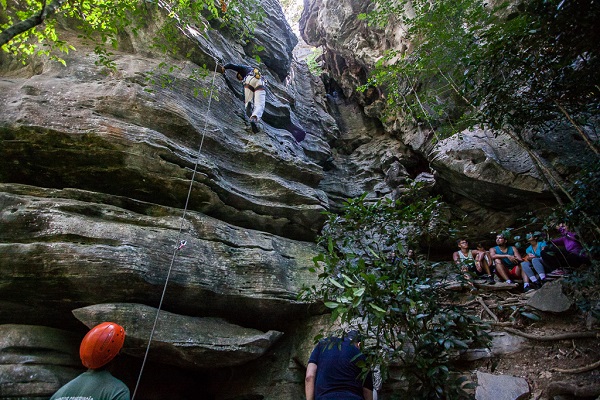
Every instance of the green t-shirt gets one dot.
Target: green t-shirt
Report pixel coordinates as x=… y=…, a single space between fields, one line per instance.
x=93 y=385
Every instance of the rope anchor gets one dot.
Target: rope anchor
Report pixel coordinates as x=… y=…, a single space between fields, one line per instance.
x=182 y=244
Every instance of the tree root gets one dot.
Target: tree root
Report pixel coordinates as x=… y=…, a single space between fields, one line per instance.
x=569 y=388
x=579 y=370
x=562 y=336
x=486 y=308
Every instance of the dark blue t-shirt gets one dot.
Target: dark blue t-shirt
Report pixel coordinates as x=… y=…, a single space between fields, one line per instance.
x=338 y=376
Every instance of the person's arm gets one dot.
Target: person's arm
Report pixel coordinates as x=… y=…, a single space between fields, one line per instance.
x=517 y=255
x=499 y=256
x=367 y=394
x=530 y=252
x=455 y=258
x=493 y=254
x=477 y=256
x=309 y=381
x=243 y=70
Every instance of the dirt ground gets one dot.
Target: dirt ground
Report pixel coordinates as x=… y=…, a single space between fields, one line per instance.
x=544 y=362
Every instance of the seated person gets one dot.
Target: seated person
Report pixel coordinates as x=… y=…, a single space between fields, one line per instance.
x=486 y=258
x=533 y=265
x=472 y=261
x=508 y=262
x=565 y=251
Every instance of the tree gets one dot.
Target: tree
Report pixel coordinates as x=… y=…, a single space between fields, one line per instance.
x=397 y=302
x=506 y=67
x=29 y=27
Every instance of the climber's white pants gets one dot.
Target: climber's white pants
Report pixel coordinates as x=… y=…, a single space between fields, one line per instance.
x=254 y=91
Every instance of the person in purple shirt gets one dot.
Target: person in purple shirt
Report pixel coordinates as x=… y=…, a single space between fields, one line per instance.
x=566 y=251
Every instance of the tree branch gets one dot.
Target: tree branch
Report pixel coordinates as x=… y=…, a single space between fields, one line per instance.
x=23 y=26
x=579 y=130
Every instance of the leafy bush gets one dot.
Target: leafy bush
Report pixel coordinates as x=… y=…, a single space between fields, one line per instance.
x=371 y=283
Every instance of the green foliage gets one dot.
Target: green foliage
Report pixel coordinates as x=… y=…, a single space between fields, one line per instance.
x=582 y=214
x=313 y=66
x=394 y=301
x=100 y=22
x=470 y=63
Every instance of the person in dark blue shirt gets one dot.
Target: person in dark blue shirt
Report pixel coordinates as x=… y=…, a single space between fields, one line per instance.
x=333 y=371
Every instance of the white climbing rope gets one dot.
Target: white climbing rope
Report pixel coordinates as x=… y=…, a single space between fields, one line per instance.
x=180 y=243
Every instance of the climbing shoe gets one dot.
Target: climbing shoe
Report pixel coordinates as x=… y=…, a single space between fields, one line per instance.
x=254 y=124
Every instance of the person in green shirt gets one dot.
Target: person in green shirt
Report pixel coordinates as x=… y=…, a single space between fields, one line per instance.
x=98 y=348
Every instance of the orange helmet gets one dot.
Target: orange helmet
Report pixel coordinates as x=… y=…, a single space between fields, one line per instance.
x=101 y=344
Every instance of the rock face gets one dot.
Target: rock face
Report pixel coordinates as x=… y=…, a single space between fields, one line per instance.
x=92 y=252
x=486 y=176
x=34 y=360
x=111 y=182
x=182 y=341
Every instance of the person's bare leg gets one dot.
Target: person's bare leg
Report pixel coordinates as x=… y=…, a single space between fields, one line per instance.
x=501 y=271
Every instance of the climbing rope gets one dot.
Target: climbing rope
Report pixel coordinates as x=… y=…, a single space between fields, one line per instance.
x=180 y=243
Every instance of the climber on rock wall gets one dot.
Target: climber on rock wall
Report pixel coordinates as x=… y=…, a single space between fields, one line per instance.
x=254 y=91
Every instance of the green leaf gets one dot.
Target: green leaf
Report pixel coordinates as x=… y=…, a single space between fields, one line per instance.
x=331 y=304
x=376 y=308
x=347 y=280
x=336 y=283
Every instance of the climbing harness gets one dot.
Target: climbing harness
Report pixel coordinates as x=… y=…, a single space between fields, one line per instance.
x=182 y=243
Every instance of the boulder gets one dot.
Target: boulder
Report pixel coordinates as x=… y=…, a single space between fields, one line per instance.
x=500 y=387
x=179 y=340
x=551 y=298
x=503 y=344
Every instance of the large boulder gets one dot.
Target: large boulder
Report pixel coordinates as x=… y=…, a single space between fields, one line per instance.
x=180 y=340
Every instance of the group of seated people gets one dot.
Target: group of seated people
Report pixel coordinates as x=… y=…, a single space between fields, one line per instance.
x=507 y=263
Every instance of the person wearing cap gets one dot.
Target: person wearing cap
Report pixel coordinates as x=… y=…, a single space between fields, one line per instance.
x=98 y=348
x=254 y=91
x=333 y=370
